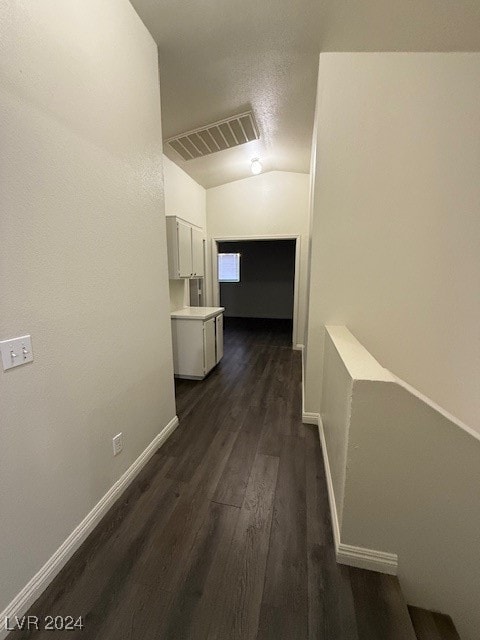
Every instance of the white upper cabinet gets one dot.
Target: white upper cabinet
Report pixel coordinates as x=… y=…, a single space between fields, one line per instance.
x=197 y=253
x=184 y=242
x=185 y=249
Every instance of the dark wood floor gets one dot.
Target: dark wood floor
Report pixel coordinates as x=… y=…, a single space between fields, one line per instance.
x=226 y=533
x=430 y=625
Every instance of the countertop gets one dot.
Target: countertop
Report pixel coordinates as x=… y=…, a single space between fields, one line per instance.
x=197 y=313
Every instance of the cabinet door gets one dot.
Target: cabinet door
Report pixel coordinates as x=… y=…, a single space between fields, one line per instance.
x=188 y=348
x=197 y=253
x=172 y=247
x=184 y=238
x=219 y=337
x=209 y=350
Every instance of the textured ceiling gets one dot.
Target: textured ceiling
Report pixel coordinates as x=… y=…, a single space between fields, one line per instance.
x=222 y=57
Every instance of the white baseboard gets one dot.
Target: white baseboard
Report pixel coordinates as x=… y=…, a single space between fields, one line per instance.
x=346 y=553
x=306 y=417
x=298 y=347
x=330 y=491
x=367 y=559
x=310 y=418
x=27 y=596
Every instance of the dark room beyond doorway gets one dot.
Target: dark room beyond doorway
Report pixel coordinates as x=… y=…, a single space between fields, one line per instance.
x=266 y=280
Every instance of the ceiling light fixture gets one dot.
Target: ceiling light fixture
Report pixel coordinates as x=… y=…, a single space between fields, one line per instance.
x=256 y=166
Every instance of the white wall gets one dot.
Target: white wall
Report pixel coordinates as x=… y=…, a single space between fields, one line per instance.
x=83 y=266
x=396 y=225
x=269 y=204
x=402 y=480
x=184 y=197
x=178 y=290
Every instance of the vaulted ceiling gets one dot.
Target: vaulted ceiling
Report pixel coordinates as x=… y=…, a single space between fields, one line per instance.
x=223 y=57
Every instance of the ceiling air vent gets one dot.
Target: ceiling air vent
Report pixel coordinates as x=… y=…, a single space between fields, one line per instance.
x=214 y=137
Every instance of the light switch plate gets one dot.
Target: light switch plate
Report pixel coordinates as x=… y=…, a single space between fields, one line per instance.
x=117 y=444
x=16 y=352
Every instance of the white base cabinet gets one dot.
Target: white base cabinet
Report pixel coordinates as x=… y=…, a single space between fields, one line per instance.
x=197 y=335
x=219 y=337
x=209 y=347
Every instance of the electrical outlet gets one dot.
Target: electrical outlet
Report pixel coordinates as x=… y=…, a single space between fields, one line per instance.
x=117 y=444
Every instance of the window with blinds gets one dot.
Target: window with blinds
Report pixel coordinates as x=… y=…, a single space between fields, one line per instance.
x=229 y=267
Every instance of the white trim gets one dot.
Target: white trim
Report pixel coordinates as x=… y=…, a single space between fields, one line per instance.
x=353 y=556
x=27 y=596
x=296 y=288
x=298 y=347
x=367 y=559
x=309 y=417
x=279 y=236
x=296 y=282
x=303 y=386
x=215 y=282
x=330 y=491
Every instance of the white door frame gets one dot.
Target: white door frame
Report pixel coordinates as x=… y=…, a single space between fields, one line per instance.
x=296 y=288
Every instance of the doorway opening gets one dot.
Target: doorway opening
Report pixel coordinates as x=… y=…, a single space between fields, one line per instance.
x=256 y=280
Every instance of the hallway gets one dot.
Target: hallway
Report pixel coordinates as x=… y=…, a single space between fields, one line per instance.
x=226 y=534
